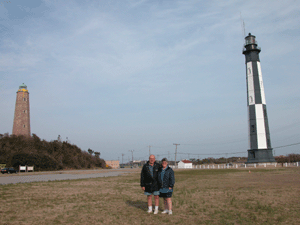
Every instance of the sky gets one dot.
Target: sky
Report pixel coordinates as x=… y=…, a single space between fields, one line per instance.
x=122 y=75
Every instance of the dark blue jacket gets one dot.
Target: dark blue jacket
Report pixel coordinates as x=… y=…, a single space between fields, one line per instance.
x=150 y=182
x=169 y=178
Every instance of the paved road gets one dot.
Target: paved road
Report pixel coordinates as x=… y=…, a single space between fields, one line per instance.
x=25 y=178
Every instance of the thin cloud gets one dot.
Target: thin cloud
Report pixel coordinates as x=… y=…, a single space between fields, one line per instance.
x=133 y=72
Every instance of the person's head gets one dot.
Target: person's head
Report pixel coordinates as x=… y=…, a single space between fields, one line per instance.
x=151 y=159
x=164 y=162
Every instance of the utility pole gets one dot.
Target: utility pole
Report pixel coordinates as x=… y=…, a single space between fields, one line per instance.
x=175 y=153
x=132 y=155
x=149 y=150
x=226 y=158
x=122 y=159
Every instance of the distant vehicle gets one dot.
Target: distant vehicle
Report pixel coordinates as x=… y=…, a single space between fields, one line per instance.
x=8 y=170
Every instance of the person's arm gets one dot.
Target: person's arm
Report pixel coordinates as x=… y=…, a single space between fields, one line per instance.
x=171 y=179
x=142 y=178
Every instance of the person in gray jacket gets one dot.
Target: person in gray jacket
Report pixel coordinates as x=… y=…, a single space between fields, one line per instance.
x=166 y=181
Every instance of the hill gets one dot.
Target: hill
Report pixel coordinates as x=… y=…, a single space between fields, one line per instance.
x=44 y=155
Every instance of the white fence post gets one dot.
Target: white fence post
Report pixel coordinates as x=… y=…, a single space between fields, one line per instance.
x=297 y=164
x=245 y=165
x=286 y=164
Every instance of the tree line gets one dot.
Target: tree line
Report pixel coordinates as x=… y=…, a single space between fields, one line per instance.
x=279 y=159
x=221 y=160
x=44 y=155
x=288 y=158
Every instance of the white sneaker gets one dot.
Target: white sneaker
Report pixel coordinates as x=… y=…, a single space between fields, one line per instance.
x=170 y=212
x=165 y=211
x=149 y=211
x=155 y=211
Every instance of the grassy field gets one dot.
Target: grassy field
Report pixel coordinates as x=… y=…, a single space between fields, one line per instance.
x=230 y=196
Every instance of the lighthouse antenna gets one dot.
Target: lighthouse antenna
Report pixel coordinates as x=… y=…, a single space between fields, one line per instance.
x=243 y=26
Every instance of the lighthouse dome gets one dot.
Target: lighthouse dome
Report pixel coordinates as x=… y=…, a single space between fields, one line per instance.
x=23 y=88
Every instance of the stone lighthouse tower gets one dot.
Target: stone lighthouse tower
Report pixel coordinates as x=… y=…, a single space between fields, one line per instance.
x=22 y=113
x=259 y=136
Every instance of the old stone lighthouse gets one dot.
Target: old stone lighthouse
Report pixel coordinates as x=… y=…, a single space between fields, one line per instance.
x=22 y=113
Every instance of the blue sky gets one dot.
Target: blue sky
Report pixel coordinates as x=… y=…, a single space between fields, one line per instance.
x=116 y=76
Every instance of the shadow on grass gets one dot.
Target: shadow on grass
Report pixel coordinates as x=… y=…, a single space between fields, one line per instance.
x=138 y=204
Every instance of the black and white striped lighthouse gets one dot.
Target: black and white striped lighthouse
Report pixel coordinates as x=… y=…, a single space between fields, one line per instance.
x=260 y=150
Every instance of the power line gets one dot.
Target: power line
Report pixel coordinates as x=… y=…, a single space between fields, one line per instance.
x=161 y=146
x=206 y=154
x=287 y=145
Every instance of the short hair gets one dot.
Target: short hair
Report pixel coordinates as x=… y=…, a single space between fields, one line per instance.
x=164 y=160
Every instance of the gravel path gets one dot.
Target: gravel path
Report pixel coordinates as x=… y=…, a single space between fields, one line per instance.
x=26 y=178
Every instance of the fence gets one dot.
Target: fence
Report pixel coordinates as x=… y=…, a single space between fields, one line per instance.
x=236 y=166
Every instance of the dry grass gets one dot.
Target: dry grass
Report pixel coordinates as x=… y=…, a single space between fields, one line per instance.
x=264 y=196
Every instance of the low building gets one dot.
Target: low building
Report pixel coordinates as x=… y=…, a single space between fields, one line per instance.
x=185 y=164
x=115 y=164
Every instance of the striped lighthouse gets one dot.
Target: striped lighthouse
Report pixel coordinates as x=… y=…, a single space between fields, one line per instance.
x=260 y=150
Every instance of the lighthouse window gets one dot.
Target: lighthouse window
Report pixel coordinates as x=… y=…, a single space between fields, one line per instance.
x=24 y=99
x=252 y=128
x=25 y=111
x=251 y=99
x=24 y=125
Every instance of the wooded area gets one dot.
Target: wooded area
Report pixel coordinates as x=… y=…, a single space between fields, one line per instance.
x=44 y=155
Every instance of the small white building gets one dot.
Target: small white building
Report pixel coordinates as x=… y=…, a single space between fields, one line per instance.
x=185 y=164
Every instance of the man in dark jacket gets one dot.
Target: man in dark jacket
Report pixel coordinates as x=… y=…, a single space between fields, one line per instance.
x=149 y=182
